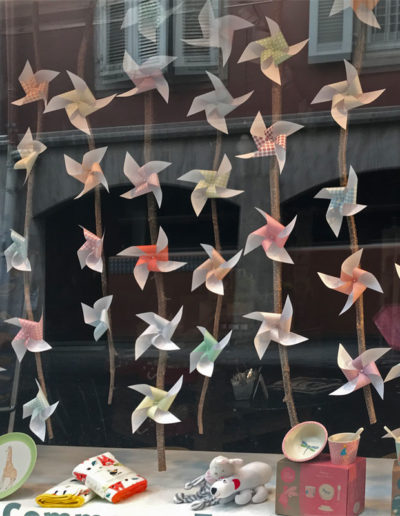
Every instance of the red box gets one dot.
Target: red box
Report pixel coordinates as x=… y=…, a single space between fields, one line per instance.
x=319 y=487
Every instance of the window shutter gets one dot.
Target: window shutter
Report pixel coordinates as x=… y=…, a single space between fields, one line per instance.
x=388 y=37
x=331 y=37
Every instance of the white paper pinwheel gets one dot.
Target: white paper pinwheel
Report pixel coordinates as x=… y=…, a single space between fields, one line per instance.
x=78 y=103
x=35 y=85
x=29 y=337
x=362 y=8
x=98 y=315
x=271 y=51
x=396 y=433
x=148 y=76
x=272 y=237
x=89 y=172
x=397 y=267
x=213 y=270
x=393 y=373
x=144 y=178
x=343 y=202
x=17 y=253
x=353 y=280
x=270 y=141
x=91 y=253
x=211 y=184
x=205 y=354
x=155 y=405
x=218 y=32
x=158 y=334
x=217 y=104
x=345 y=95
x=38 y=410
x=361 y=371
x=29 y=150
x=151 y=258
x=275 y=327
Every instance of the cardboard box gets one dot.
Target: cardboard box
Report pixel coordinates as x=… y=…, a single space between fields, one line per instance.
x=320 y=488
x=396 y=488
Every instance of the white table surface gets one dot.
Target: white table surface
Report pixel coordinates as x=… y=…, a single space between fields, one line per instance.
x=55 y=463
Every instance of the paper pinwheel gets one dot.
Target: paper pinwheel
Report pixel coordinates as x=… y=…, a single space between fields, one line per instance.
x=361 y=371
x=211 y=184
x=362 y=8
x=155 y=405
x=397 y=267
x=270 y=141
x=89 y=172
x=275 y=327
x=203 y=357
x=217 y=104
x=343 y=202
x=78 y=103
x=272 y=237
x=29 y=337
x=148 y=76
x=38 y=410
x=213 y=270
x=353 y=280
x=144 y=178
x=271 y=51
x=98 y=315
x=218 y=32
x=90 y=254
x=29 y=150
x=35 y=85
x=345 y=95
x=17 y=253
x=395 y=432
x=393 y=373
x=158 y=334
x=151 y=258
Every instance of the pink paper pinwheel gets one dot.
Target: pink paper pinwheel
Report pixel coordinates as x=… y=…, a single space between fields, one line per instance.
x=148 y=76
x=35 y=85
x=362 y=8
x=151 y=258
x=29 y=150
x=271 y=51
x=272 y=237
x=361 y=371
x=213 y=270
x=29 y=337
x=78 y=103
x=145 y=178
x=345 y=95
x=353 y=280
x=89 y=172
x=270 y=141
x=90 y=254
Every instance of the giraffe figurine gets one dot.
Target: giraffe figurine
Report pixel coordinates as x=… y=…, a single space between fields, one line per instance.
x=9 y=471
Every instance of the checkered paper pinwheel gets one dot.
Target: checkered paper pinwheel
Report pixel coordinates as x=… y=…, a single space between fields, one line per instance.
x=91 y=253
x=29 y=150
x=89 y=172
x=29 y=337
x=98 y=315
x=17 y=253
x=206 y=353
x=39 y=410
x=35 y=85
x=362 y=8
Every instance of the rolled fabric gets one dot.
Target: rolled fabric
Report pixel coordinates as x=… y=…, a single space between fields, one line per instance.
x=69 y=493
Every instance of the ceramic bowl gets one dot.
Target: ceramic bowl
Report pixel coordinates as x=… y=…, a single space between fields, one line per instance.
x=304 y=441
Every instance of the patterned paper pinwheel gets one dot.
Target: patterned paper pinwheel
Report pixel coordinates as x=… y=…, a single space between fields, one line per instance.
x=361 y=371
x=271 y=51
x=144 y=178
x=91 y=253
x=155 y=405
x=270 y=141
x=35 y=85
x=218 y=32
x=98 y=315
x=275 y=327
x=345 y=95
x=217 y=104
x=213 y=270
x=343 y=202
x=152 y=258
x=29 y=337
x=205 y=354
x=17 y=253
x=362 y=8
x=158 y=334
x=148 y=76
x=89 y=172
x=29 y=150
x=78 y=103
x=211 y=184
x=272 y=237
x=353 y=280
x=38 y=410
